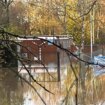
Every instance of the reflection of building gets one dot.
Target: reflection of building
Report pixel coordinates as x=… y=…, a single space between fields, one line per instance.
x=40 y=52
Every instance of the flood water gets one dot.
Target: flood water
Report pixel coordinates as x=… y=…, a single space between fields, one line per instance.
x=14 y=91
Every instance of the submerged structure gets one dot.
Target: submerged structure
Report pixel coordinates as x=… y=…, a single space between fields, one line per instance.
x=43 y=54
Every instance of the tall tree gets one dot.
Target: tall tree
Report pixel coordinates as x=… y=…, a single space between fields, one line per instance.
x=6 y=4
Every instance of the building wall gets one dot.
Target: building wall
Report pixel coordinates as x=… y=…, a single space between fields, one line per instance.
x=43 y=50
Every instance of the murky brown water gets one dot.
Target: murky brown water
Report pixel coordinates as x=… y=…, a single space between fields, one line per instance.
x=14 y=91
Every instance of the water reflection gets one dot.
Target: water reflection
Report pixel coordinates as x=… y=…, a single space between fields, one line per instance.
x=9 y=88
x=14 y=91
x=50 y=99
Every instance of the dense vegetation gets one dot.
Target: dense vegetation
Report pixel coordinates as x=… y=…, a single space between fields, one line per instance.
x=54 y=17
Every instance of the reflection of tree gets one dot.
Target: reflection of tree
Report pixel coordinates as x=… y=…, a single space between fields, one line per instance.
x=9 y=89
